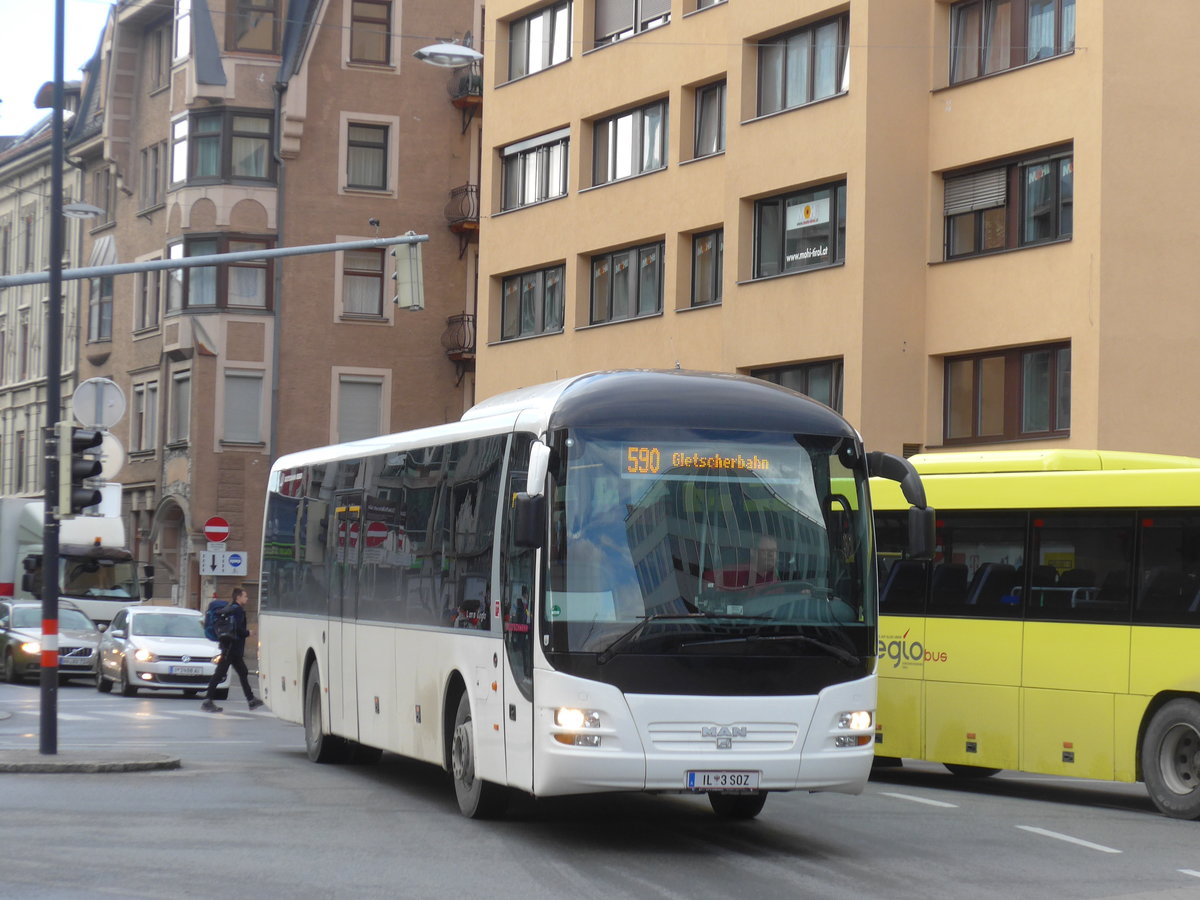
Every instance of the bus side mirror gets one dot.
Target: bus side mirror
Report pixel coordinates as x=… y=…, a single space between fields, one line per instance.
x=529 y=519
x=31 y=581
x=922 y=532
x=539 y=465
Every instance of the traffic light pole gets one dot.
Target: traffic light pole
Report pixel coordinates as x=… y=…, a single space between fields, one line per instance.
x=48 y=743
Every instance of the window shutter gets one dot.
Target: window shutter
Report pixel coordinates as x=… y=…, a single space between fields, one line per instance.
x=613 y=16
x=652 y=9
x=359 y=399
x=982 y=190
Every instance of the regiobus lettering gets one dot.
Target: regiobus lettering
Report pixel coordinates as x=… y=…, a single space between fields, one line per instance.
x=901 y=650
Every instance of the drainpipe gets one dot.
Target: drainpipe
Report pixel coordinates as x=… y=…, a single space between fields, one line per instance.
x=276 y=318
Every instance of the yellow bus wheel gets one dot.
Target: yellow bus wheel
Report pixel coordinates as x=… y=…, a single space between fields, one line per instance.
x=1171 y=759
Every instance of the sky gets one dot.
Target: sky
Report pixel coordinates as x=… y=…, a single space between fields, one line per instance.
x=27 y=53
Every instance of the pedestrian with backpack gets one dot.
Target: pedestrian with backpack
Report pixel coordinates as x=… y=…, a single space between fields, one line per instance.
x=225 y=622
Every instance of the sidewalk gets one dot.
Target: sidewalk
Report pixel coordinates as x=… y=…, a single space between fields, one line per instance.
x=83 y=760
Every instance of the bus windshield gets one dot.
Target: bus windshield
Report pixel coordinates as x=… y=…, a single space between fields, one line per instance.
x=707 y=541
x=88 y=577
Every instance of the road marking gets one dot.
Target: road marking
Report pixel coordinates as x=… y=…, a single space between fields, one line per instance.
x=1070 y=840
x=924 y=800
x=1191 y=872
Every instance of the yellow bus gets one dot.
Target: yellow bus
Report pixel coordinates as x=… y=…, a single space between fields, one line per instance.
x=1056 y=629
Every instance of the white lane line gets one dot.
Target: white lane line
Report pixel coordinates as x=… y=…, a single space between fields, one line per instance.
x=1191 y=872
x=924 y=800
x=1070 y=840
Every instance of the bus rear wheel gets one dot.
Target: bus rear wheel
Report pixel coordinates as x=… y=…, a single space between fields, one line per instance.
x=1171 y=759
x=963 y=771
x=321 y=747
x=737 y=806
x=477 y=799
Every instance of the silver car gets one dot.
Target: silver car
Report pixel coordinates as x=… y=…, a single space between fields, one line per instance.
x=158 y=648
x=21 y=641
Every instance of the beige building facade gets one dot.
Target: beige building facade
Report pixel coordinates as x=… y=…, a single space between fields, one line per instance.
x=227 y=126
x=947 y=220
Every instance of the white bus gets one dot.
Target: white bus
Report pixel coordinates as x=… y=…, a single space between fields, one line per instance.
x=623 y=581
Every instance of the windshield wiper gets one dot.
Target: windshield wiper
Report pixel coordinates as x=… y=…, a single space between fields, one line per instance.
x=832 y=649
x=625 y=637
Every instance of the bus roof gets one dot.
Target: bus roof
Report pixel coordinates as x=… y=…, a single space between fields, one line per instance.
x=1059 y=460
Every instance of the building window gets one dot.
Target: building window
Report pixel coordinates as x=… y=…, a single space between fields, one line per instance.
x=359 y=401
x=371 y=31
x=100 y=309
x=710 y=119
x=630 y=143
x=154 y=162
x=158 y=56
x=183 y=28
x=535 y=170
x=1003 y=395
x=627 y=283
x=5 y=248
x=146 y=313
x=181 y=407
x=620 y=19
x=820 y=380
x=708 y=251
x=19 y=460
x=28 y=240
x=803 y=66
x=3 y=356
x=532 y=303
x=243 y=406
x=705 y=4
x=102 y=195
x=231 y=285
x=143 y=429
x=23 y=348
x=989 y=36
x=539 y=40
x=253 y=26
x=222 y=146
x=366 y=157
x=981 y=219
x=800 y=230
x=362 y=283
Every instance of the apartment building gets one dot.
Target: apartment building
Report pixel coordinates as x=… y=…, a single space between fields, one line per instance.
x=244 y=125
x=948 y=220
x=25 y=206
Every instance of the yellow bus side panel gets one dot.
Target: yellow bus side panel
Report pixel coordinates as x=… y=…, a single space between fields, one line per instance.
x=1071 y=656
x=1164 y=659
x=898 y=718
x=973 y=651
x=971 y=724
x=901 y=648
x=1130 y=709
x=1067 y=733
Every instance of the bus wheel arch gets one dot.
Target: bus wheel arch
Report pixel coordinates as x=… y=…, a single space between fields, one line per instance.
x=1169 y=755
x=477 y=799
x=320 y=746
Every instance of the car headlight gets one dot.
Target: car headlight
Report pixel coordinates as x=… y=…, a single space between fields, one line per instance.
x=33 y=648
x=217 y=659
x=143 y=655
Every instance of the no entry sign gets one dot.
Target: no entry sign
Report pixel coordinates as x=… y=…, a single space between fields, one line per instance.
x=216 y=530
x=377 y=533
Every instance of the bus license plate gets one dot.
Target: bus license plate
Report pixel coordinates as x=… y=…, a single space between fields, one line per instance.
x=186 y=670
x=722 y=781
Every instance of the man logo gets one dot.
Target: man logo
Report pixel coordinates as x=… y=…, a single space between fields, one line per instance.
x=723 y=734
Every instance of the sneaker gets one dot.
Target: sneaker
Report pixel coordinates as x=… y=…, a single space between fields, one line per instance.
x=255 y=703
x=209 y=706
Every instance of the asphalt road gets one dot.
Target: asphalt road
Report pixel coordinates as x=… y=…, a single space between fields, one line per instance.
x=249 y=815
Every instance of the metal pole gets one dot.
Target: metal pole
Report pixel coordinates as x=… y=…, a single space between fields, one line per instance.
x=49 y=681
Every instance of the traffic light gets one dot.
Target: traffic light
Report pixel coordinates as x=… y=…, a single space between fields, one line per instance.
x=78 y=460
x=408 y=276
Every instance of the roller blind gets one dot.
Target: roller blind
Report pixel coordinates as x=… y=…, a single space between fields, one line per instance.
x=981 y=190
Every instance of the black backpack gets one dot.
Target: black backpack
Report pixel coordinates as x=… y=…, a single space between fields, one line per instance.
x=225 y=624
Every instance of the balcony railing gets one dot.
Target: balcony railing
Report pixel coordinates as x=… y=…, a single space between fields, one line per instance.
x=459 y=342
x=466 y=84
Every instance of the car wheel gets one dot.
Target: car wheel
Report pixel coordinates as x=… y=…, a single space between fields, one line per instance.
x=1171 y=759
x=10 y=669
x=321 y=747
x=737 y=806
x=477 y=799
x=123 y=684
x=190 y=692
x=221 y=694
x=103 y=685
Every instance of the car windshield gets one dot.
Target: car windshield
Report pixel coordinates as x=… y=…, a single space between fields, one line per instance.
x=74 y=620
x=705 y=537
x=27 y=617
x=86 y=577
x=166 y=625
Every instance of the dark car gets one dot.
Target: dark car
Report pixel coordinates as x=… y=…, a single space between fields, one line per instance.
x=21 y=641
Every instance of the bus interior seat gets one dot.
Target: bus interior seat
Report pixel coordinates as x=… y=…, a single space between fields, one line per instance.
x=904 y=588
x=1077 y=578
x=1044 y=576
x=949 y=586
x=1164 y=591
x=992 y=584
x=1114 y=588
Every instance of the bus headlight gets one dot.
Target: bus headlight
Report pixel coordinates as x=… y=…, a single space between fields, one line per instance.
x=566 y=717
x=859 y=720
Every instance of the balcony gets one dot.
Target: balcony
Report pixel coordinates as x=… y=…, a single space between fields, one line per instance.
x=466 y=91
x=458 y=340
x=462 y=215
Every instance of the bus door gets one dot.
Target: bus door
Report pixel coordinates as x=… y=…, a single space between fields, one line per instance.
x=517 y=593
x=343 y=608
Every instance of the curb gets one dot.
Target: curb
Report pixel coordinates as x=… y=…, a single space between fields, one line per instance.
x=84 y=761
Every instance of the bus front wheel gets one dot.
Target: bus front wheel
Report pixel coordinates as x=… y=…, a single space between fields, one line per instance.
x=321 y=747
x=477 y=799
x=1171 y=759
x=737 y=806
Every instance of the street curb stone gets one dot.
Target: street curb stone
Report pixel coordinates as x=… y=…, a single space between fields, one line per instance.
x=84 y=761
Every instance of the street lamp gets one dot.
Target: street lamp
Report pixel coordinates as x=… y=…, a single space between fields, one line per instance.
x=449 y=55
